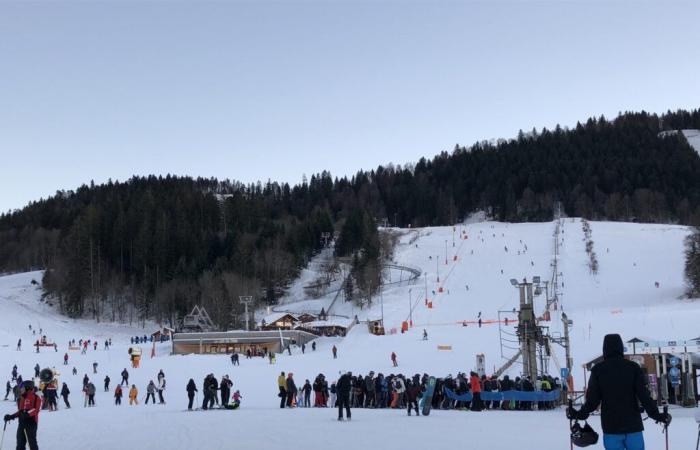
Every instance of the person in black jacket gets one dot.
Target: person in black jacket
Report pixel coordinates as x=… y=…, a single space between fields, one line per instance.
x=191 y=389
x=343 y=391
x=618 y=385
x=64 y=393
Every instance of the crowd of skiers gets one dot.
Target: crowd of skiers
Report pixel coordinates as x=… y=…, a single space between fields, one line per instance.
x=401 y=391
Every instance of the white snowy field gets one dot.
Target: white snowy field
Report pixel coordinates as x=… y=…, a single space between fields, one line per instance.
x=622 y=298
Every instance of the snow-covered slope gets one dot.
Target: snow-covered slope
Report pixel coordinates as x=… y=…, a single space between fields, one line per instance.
x=693 y=137
x=622 y=298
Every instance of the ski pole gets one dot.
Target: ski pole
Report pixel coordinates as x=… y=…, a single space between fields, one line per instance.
x=666 y=425
x=2 y=439
x=571 y=441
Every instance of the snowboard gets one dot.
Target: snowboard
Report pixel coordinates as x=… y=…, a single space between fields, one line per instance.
x=427 y=400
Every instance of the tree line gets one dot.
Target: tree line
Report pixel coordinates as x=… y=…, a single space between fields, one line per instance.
x=151 y=247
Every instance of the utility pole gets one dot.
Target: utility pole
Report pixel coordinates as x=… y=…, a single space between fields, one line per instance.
x=410 y=308
x=437 y=267
x=445 y=251
x=246 y=300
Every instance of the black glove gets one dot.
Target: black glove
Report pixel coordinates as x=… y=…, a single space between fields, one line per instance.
x=8 y=418
x=23 y=415
x=573 y=414
x=664 y=418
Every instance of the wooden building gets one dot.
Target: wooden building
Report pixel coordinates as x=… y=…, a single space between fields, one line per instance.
x=277 y=321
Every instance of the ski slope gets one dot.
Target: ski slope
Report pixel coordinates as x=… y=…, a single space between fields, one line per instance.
x=621 y=297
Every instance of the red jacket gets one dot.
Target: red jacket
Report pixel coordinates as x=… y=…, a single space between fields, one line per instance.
x=31 y=403
x=475 y=383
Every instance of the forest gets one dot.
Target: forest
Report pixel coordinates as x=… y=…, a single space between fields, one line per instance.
x=152 y=247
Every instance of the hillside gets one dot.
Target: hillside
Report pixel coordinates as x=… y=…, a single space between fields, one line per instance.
x=621 y=298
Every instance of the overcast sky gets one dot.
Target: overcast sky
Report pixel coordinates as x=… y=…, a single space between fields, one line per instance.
x=258 y=89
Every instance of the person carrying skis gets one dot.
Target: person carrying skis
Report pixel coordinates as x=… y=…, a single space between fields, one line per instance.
x=618 y=386
x=65 y=392
x=118 y=395
x=191 y=389
x=133 y=395
x=343 y=392
x=28 y=407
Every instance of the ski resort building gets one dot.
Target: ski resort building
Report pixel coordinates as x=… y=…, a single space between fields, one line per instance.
x=671 y=368
x=238 y=341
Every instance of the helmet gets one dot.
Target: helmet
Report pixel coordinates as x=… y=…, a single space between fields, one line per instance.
x=583 y=436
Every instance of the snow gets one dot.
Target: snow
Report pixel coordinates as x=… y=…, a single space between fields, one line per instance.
x=621 y=297
x=693 y=138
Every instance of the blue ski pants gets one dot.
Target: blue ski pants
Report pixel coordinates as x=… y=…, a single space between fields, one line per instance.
x=631 y=441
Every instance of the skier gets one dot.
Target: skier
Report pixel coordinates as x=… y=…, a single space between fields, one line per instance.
x=86 y=380
x=8 y=389
x=107 y=380
x=343 y=391
x=125 y=377
x=151 y=392
x=65 y=359
x=393 y=359
x=133 y=395
x=205 y=391
x=234 y=359
x=161 y=388
x=191 y=389
x=335 y=352
x=14 y=372
x=118 y=395
x=19 y=345
x=225 y=387
x=28 y=407
x=619 y=385
x=475 y=384
x=282 y=384
x=291 y=390
x=303 y=348
x=65 y=392
x=94 y=367
x=425 y=335
x=313 y=346
x=306 y=390
x=75 y=371
x=37 y=369
x=90 y=390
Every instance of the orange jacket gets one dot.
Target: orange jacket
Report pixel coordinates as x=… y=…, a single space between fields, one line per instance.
x=475 y=383
x=133 y=392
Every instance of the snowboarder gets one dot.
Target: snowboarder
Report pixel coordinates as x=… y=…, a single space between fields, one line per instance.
x=191 y=389
x=343 y=391
x=65 y=392
x=335 y=352
x=619 y=385
x=394 y=360
x=28 y=407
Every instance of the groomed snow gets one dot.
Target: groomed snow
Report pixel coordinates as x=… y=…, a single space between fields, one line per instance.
x=622 y=298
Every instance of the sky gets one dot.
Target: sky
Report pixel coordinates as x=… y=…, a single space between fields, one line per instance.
x=258 y=90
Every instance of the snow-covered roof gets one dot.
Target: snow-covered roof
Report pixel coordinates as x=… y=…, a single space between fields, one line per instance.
x=332 y=322
x=275 y=316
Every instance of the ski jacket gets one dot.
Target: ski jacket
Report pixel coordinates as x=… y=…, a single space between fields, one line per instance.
x=344 y=385
x=399 y=386
x=28 y=407
x=282 y=382
x=475 y=384
x=133 y=393
x=291 y=387
x=118 y=391
x=413 y=392
x=151 y=388
x=191 y=387
x=619 y=385
x=91 y=389
x=161 y=384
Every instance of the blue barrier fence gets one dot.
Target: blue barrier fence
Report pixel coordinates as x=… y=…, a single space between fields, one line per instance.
x=518 y=396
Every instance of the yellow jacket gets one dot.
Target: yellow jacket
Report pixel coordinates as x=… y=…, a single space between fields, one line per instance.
x=133 y=392
x=282 y=381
